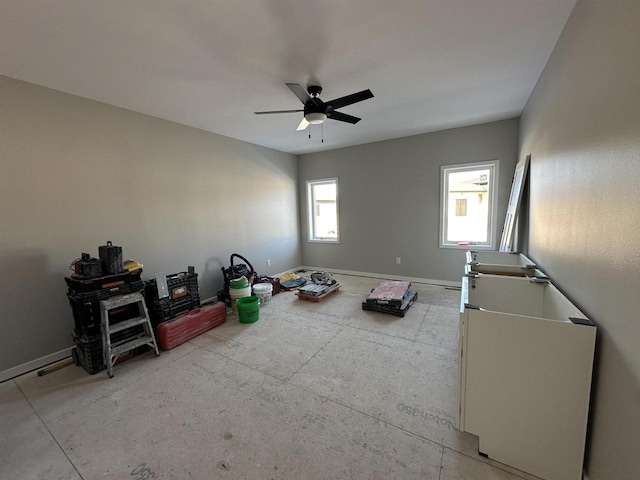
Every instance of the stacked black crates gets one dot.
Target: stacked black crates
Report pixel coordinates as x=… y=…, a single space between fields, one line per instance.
x=84 y=297
x=88 y=353
x=183 y=295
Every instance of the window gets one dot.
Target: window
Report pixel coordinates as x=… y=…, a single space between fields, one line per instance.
x=468 y=205
x=322 y=199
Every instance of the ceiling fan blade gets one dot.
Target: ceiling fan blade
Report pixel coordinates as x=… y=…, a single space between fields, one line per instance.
x=343 y=117
x=278 y=111
x=349 y=99
x=303 y=124
x=299 y=92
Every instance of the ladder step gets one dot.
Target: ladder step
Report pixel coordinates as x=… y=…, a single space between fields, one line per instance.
x=132 y=322
x=127 y=299
x=131 y=343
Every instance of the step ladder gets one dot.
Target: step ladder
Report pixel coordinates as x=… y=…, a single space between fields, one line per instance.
x=129 y=338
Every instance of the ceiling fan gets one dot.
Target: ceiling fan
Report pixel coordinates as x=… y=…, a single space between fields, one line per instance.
x=316 y=111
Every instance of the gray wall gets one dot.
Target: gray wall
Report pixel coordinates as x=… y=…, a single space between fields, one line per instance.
x=75 y=173
x=582 y=128
x=389 y=194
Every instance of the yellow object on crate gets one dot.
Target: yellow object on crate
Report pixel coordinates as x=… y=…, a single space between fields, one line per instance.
x=132 y=265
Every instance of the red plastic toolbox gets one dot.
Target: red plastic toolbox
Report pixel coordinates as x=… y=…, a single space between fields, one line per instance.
x=191 y=324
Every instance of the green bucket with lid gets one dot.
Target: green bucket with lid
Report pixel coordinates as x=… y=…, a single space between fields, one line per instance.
x=241 y=282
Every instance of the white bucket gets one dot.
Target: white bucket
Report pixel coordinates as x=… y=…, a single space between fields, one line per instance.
x=236 y=293
x=263 y=292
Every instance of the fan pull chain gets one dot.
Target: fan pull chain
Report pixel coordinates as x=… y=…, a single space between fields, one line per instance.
x=321 y=132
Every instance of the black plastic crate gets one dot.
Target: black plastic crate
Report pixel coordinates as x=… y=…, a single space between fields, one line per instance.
x=83 y=285
x=129 y=332
x=104 y=293
x=398 y=311
x=87 y=318
x=166 y=309
x=179 y=285
x=88 y=353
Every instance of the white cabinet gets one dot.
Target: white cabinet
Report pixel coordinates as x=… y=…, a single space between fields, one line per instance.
x=526 y=359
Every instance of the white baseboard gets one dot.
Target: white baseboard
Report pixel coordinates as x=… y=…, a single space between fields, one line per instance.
x=291 y=270
x=34 y=364
x=384 y=276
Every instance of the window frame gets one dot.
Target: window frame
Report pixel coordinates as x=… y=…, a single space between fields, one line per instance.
x=494 y=167
x=310 y=214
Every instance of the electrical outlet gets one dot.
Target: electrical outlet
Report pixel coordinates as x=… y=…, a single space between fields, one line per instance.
x=268 y=263
x=398 y=260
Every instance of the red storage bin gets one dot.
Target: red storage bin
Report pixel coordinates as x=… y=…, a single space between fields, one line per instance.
x=191 y=324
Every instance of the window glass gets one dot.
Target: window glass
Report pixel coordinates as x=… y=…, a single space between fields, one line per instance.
x=322 y=198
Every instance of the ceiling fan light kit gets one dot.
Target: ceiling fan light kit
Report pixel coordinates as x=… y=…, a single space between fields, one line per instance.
x=316 y=111
x=315 y=118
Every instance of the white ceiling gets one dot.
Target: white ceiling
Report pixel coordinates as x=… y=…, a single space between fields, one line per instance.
x=431 y=64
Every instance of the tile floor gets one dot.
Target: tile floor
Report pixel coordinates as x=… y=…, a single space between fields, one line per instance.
x=311 y=391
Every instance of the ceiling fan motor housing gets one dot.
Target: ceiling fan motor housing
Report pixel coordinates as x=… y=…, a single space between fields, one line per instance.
x=315 y=111
x=314 y=105
x=314 y=90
